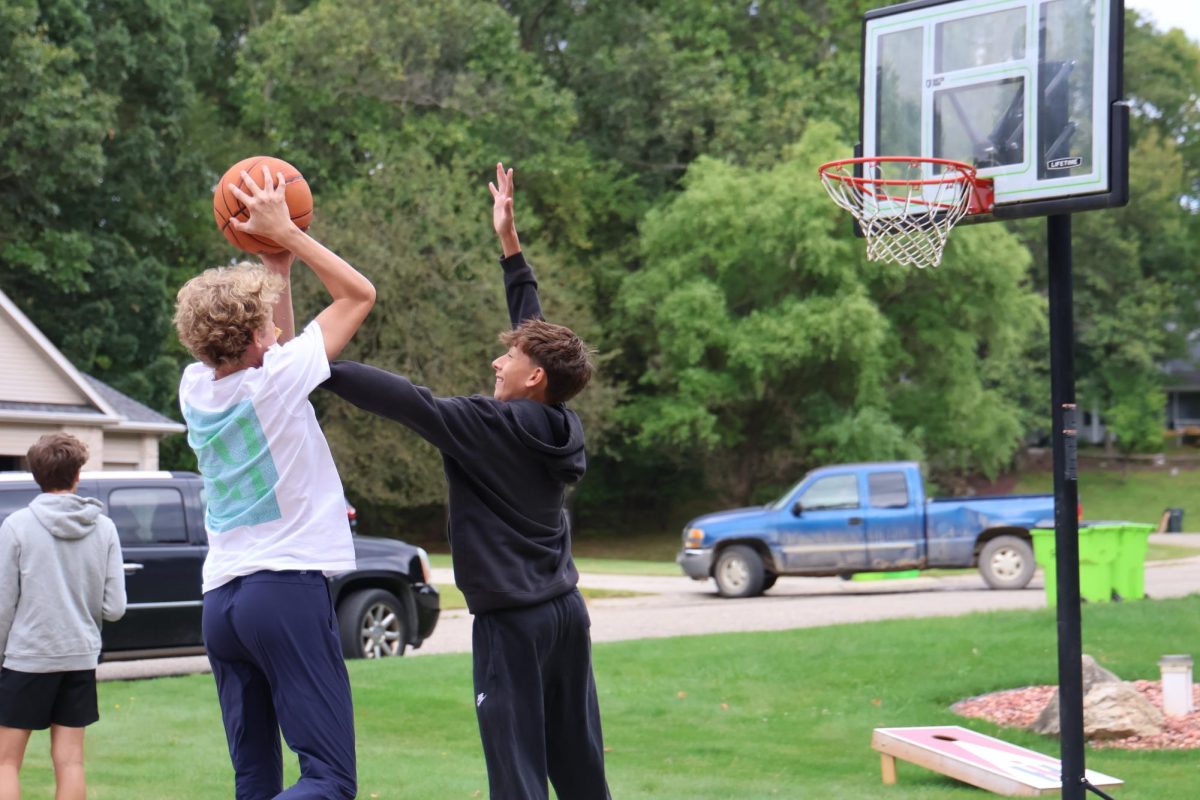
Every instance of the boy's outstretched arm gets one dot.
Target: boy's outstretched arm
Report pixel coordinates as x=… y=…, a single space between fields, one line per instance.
x=520 y=287
x=353 y=295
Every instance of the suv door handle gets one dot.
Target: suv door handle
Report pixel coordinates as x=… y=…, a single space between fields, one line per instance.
x=131 y=568
x=855 y=521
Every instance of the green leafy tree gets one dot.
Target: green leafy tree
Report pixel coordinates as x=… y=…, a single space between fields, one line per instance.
x=773 y=346
x=396 y=112
x=99 y=184
x=422 y=233
x=1135 y=419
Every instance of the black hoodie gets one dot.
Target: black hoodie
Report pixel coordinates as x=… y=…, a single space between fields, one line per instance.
x=507 y=463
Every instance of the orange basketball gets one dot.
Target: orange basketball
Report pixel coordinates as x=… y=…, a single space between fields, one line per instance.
x=226 y=205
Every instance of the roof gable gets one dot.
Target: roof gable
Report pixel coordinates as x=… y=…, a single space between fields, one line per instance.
x=38 y=383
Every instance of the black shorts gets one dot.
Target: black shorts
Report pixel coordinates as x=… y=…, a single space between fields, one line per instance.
x=34 y=701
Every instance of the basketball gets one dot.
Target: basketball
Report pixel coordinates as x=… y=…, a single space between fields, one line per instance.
x=226 y=205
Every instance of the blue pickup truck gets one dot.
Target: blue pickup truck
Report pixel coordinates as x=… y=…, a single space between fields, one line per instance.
x=850 y=518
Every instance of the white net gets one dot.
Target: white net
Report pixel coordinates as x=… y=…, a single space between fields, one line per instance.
x=906 y=216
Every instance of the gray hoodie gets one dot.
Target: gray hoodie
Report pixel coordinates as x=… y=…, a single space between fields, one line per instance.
x=61 y=573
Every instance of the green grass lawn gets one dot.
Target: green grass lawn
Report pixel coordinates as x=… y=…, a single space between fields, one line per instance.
x=745 y=716
x=611 y=566
x=452 y=598
x=1133 y=496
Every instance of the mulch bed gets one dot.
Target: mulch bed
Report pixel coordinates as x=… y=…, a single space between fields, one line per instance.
x=1018 y=708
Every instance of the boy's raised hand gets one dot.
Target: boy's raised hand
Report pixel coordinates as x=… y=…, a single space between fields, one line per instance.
x=267 y=204
x=502 y=210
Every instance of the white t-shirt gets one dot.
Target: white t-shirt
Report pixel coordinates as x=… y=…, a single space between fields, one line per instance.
x=275 y=501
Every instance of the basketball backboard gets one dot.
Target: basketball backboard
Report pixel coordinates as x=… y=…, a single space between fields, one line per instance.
x=1029 y=92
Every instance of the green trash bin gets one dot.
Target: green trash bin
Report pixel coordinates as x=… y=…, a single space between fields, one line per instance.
x=1043 y=554
x=1129 y=568
x=1098 y=546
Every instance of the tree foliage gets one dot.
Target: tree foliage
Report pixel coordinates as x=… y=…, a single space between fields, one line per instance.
x=771 y=345
x=665 y=157
x=99 y=179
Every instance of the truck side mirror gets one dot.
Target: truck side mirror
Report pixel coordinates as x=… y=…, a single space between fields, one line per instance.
x=797 y=508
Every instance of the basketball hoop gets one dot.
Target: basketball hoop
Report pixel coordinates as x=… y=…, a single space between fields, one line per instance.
x=905 y=206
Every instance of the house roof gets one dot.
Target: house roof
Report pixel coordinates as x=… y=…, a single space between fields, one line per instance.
x=133 y=414
x=102 y=405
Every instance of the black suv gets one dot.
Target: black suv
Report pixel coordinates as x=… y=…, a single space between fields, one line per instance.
x=383 y=606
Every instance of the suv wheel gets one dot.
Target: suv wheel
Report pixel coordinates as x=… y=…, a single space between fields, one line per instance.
x=371 y=623
x=739 y=572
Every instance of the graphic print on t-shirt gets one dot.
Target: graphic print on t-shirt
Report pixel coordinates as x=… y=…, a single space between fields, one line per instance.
x=235 y=461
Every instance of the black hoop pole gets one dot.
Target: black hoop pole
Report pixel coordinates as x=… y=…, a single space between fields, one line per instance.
x=1065 y=421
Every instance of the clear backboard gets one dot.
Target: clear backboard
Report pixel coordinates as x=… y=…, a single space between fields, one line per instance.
x=1028 y=92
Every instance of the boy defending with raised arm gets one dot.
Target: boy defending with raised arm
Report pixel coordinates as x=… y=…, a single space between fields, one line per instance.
x=508 y=461
x=276 y=517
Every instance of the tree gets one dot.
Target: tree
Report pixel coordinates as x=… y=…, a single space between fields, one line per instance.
x=421 y=232
x=397 y=112
x=99 y=178
x=773 y=346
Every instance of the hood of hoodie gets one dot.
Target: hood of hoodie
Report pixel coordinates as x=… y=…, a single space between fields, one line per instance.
x=67 y=516
x=554 y=434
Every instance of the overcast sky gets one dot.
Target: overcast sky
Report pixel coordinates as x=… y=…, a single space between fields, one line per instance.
x=1169 y=14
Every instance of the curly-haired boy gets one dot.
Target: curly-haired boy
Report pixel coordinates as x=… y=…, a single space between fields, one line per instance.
x=276 y=517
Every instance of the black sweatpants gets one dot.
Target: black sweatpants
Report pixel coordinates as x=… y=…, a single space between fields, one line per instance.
x=535 y=698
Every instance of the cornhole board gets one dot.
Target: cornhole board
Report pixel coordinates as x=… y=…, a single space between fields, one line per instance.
x=974 y=758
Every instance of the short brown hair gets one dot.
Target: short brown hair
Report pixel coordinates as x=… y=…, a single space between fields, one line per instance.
x=55 y=461
x=218 y=311
x=565 y=358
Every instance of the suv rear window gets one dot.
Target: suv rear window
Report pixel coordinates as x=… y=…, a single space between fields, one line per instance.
x=145 y=515
x=14 y=500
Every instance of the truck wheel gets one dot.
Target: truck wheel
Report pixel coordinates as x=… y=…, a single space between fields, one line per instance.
x=769 y=580
x=739 y=572
x=1006 y=562
x=371 y=624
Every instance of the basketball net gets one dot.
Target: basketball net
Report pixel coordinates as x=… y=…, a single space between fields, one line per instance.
x=904 y=214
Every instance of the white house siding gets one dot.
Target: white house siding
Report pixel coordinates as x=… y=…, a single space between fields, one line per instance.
x=127 y=452
x=27 y=375
x=16 y=439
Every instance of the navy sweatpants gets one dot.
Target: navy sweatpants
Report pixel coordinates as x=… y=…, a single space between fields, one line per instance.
x=535 y=698
x=273 y=644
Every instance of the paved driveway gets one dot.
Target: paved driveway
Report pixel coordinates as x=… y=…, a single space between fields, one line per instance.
x=679 y=606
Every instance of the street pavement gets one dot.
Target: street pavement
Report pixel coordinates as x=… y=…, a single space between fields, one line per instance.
x=679 y=606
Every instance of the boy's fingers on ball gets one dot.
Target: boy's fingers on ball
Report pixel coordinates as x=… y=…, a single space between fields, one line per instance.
x=493 y=189
x=268 y=182
x=250 y=183
x=238 y=193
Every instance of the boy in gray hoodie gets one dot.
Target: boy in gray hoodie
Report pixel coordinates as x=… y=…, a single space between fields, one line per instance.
x=61 y=573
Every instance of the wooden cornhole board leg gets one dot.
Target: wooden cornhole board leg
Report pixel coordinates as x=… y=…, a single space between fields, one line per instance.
x=974 y=758
x=887 y=765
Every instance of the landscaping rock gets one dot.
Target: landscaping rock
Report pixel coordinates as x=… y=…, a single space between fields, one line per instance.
x=1117 y=711
x=1093 y=674
x=1018 y=708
